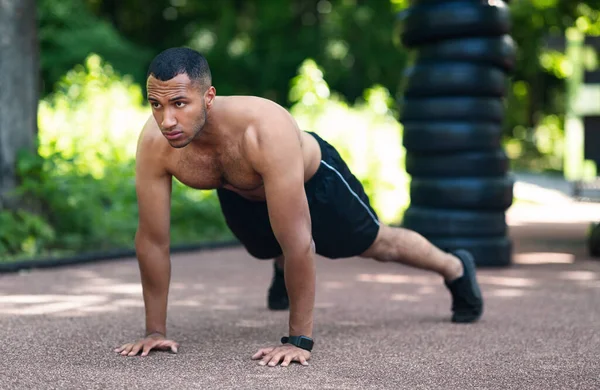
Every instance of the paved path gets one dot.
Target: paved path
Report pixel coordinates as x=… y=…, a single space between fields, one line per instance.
x=378 y=326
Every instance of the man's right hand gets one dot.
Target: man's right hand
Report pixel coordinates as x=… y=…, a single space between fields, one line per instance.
x=153 y=341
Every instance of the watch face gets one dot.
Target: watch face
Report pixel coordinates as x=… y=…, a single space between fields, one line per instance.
x=305 y=342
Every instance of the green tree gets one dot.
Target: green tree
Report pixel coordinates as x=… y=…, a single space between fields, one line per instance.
x=253 y=46
x=536 y=104
x=18 y=88
x=69 y=32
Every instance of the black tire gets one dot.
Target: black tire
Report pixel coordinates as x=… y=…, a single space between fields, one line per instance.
x=436 y=22
x=454 y=223
x=493 y=194
x=415 y=3
x=469 y=164
x=454 y=79
x=432 y=2
x=440 y=137
x=496 y=51
x=488 y=252
x=453 y=109
x=594 y=240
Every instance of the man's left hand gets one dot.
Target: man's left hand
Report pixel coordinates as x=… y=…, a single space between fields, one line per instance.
x=285 y=354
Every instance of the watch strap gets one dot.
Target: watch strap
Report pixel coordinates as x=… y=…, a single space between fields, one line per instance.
x=302 y=342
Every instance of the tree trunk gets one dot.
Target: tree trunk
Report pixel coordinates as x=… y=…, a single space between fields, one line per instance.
x=19 y=87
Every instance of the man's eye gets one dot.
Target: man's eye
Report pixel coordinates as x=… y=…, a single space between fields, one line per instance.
x=179 y=104
x=155 y=105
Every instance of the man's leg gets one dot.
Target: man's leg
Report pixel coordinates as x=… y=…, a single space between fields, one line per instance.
x=410 y=248
x=279 y=260
x=278 y=297
x=249 y=222
x=458 y=269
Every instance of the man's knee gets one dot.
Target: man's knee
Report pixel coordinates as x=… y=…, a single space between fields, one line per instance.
x=380 y=249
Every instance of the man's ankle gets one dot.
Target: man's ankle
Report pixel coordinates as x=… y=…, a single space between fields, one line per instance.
x=454 y=270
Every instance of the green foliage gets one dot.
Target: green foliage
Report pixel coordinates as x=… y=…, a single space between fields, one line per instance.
x=536 y=102
x=104 y=113
x=255 y=46
x=196 y=216
x=83 y=174
x=84 y=177
x=24 y=233
x=68 y=32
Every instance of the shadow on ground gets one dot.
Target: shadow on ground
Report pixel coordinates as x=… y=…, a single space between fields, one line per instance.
x=377 y=326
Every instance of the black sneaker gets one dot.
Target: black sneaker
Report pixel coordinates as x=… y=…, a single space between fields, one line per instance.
x=278 y=297
x=467 y=302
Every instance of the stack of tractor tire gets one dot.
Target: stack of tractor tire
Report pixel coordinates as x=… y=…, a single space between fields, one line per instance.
x=594 y=240
x=452 y=113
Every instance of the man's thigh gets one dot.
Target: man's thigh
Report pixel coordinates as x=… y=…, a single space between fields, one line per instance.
x=249 y=222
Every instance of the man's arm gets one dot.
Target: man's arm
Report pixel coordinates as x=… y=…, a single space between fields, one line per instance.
x=152 y=240
x=277 y=157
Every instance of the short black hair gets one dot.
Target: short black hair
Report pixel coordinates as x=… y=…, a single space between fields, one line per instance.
x=180 y=60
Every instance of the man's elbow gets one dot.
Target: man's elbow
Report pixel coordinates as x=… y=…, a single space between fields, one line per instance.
x=301 y=249
x=146 y=246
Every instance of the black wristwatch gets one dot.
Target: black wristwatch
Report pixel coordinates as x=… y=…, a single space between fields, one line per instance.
x=299 y=341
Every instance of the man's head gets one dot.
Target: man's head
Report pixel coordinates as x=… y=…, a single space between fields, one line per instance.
x=180 y=93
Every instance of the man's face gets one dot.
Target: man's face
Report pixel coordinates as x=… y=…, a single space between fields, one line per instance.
x=179 y=107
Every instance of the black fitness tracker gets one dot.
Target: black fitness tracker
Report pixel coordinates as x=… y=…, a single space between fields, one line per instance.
x=299 y=341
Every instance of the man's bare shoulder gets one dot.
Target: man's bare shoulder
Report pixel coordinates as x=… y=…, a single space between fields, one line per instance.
x=273 y=134
x=268 y=142
x=150 y=135
x=255 y=107
x=152 y=149
x=269 y=118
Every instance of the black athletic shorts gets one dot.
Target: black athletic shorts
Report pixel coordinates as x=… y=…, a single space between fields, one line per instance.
x=343 y=222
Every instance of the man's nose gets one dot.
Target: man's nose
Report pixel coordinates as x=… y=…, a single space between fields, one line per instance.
x=168 y=120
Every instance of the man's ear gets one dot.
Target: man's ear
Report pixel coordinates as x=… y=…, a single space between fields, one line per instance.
x=209 y=96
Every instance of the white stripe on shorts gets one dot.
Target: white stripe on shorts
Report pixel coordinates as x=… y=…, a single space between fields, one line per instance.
x=351 y=191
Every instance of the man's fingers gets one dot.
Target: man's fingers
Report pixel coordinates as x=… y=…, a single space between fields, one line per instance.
x=261 y=353
x=287 y=360
x=169 y=344
x=136 y=348
x=127 y=349
x=163 y=345
x=272 y=356
x=148 y=347
x=173 y=346
x=276 y=358
x=302 y=360
x=267 y=357
x=121 y=348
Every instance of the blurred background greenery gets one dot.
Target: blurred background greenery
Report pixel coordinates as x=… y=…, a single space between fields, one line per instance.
x=337 y=65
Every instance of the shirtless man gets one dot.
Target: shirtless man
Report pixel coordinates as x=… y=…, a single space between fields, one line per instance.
x=252 y=151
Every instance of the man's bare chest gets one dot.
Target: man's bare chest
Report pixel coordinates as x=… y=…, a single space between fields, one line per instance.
x=206 y=171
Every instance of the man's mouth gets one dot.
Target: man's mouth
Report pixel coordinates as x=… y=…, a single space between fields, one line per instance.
x=173 y=135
